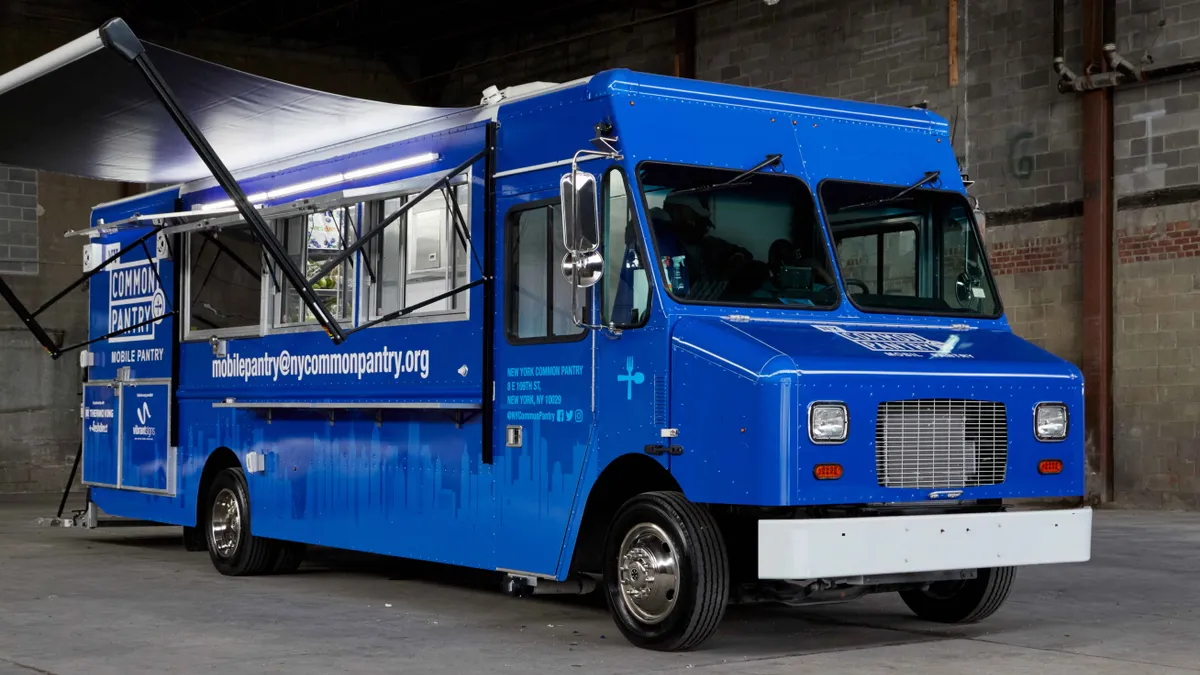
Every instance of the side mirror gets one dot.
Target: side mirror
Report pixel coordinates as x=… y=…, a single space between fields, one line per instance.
x=580 y=212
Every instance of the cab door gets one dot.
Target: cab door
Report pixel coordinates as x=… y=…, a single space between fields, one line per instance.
x=544 y=378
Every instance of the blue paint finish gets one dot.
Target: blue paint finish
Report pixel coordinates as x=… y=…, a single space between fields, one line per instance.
x=100 y=407
x=145 y=435
x=413 y=483
x=752 y=361
x=127 y=292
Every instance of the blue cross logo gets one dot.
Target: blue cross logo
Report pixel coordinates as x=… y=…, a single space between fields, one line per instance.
x=630 y=378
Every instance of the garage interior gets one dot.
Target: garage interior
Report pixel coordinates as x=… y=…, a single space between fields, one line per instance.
x=1078 y=122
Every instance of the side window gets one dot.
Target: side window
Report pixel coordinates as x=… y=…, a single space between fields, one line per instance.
x=225 y=283
x=962 y=265
x=885 y=261
x=538 y=295
x=311 y=240
x=419 y=257
x=626 y=280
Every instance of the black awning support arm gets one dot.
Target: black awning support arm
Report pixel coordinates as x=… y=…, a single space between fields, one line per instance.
x=140 y=241
x=117 y=36
x=29 y=318
x=147 y=322
x=424 y=303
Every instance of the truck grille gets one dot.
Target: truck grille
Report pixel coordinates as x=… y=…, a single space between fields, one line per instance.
x=940 y=443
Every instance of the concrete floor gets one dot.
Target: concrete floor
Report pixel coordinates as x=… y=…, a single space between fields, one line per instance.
x=97 y=602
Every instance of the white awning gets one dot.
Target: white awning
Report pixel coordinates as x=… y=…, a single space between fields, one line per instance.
x=85 y=110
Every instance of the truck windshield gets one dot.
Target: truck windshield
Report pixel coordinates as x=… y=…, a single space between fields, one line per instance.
x=919 y=253
x=757 y=242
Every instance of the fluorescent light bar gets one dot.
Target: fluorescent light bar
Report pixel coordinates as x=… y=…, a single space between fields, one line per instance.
x=416 y=160
x=305 y=187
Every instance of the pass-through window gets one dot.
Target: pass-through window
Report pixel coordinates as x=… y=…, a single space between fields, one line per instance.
x=753 y=241
x=419 y=256
x=225 y=279
x=311 y=240
x=918 y=252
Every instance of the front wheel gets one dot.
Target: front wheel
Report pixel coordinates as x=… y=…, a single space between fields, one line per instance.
x=666 y=572
x=963 y=601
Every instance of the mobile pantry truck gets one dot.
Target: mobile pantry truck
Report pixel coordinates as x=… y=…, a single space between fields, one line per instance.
x=689 y=342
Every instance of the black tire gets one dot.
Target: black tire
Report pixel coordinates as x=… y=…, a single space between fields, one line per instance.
x=247 y=555
x=289 y=558
x=194 y=540
x=696 y=601
x=964 y=601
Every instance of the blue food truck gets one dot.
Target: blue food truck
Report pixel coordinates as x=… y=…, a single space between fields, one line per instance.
x=684 y=343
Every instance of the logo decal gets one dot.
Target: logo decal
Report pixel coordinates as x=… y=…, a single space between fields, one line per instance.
x=135 y=299
x=945 y=494
x=630 y=378
x=142 y=431
x=897 y=344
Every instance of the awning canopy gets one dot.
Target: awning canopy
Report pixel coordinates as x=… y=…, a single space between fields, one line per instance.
x=86 y=110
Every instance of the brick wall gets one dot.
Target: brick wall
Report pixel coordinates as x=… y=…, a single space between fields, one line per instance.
x=18 y=221
x=1156 y=364
x=1037 y=268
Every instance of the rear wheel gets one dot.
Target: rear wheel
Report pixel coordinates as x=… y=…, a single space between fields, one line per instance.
x=666 y=572
x=963 y=601
x=232 y=547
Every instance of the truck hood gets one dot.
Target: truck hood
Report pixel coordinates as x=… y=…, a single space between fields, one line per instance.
x=765 y=348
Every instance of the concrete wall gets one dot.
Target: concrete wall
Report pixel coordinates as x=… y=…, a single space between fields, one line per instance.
x=39 y=397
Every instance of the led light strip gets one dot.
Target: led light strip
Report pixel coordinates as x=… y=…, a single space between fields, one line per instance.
x=417 y=160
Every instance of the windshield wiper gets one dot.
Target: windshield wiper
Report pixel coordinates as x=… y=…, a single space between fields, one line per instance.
x=930 y=176
x=771 y=160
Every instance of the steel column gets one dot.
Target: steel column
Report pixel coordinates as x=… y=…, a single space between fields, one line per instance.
x=1097 y=244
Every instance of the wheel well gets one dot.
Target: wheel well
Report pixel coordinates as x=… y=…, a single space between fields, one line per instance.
x=624 y=478
x=218 y=461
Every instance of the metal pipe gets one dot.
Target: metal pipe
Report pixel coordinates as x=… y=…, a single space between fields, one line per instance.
x=1097 y=246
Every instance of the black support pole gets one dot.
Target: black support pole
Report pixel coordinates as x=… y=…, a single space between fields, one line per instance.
x=489 y=293
x=117 y=36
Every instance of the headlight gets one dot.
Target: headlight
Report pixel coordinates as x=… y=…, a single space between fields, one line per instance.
x=828 y=422
x=1050 y=422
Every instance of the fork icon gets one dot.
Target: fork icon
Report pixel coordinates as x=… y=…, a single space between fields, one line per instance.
x=630 y=378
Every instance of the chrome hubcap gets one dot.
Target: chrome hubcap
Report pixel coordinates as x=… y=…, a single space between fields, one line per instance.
x=225 y=525
x=648 y=569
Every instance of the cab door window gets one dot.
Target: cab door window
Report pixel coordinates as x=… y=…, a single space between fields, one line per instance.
x=538 y=297
x=626 y=280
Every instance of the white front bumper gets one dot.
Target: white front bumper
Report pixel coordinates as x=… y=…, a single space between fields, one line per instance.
x=842 y=547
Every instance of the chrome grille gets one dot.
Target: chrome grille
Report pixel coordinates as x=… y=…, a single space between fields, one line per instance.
x=940 y=443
